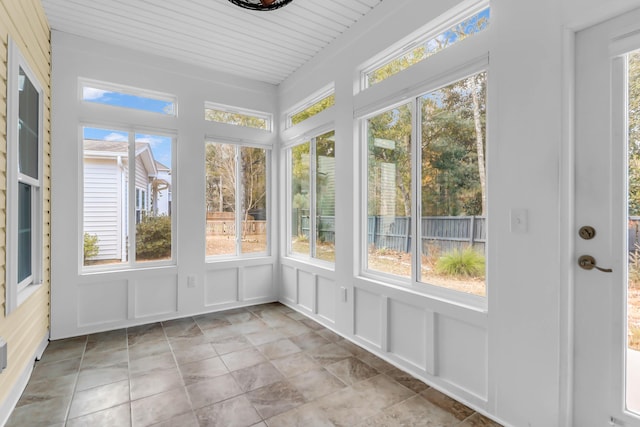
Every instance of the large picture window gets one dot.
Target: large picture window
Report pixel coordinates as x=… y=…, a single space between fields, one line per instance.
x=237 y=182
x=127 y=198
x=449 y=185
x=312 y=201
x=24 y=178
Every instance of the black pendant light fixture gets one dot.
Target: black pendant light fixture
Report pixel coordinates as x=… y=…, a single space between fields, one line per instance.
x=261 y=4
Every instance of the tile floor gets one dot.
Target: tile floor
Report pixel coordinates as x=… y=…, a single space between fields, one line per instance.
x=261 y=366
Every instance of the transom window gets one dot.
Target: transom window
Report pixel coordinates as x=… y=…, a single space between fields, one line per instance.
x=315 y=106
x=127 y=97
x=237 y=116
x=427 y=46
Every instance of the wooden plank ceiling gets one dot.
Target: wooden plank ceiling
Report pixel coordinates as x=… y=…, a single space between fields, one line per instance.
x=264 y=46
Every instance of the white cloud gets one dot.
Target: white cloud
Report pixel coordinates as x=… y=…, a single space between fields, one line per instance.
x=114 y=136
x=90 y=93
x=154 y=141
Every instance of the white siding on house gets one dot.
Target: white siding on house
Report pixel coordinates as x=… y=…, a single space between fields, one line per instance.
x=102 y=205
x=142 y=177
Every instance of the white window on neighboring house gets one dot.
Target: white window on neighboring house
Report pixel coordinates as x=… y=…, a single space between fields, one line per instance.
x=25 y=102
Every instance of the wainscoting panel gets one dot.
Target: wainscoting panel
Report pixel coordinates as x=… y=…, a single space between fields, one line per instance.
x=462 y=355
x=327 y=300
x=257 y=282
x=289 y=284
x=407 y=336
x=221 y=286
x=101 y=303
x=307 y=291
x=156 y=295
x=368 y=317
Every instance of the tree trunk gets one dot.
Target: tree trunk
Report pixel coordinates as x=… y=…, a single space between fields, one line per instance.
x=479 y=143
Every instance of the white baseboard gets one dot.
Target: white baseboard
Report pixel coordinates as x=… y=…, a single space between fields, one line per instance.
x=9 y=404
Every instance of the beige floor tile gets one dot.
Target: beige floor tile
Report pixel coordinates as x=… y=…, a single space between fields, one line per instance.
x=238 y=412
x=159 y=407
x=99 y=398
x=117 y=416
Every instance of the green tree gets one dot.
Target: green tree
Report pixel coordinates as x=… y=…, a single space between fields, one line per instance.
x=452 y=151
x=235 y=119
x=389 y=148
x=634 y=133
x=314 y=109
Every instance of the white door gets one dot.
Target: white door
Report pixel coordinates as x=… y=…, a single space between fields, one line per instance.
x=607 y=307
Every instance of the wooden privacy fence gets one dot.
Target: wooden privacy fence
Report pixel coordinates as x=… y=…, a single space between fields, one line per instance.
x=634 y=233
x=440 y=234
x=222 y=227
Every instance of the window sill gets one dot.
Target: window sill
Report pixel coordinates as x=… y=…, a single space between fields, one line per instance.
x=446 y=296
x=326 y=265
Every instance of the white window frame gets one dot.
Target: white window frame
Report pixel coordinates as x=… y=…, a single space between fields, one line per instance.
x=238 y=202
x=267 y=117
x=16 y=293
x=308 y=102
x=311 y=256
x=131 y=200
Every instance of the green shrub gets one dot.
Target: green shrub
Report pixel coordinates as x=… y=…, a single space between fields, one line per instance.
x=465 y=263
x=153 y=238
x=91 y=248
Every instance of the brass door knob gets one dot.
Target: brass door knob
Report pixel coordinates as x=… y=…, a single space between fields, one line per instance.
x=587 y=262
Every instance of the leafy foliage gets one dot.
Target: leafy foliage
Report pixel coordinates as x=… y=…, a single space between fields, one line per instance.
x=634 y=133
x=465 y=263
x=153 y=238
x=236 y=119
x=453 y=121
x=314 y=109
x=91 y=248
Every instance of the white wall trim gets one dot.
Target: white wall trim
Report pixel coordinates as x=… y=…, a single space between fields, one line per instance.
x=10 y=402
x=567 y=230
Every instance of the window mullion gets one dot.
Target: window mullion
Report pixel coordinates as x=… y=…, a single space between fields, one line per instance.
x=131 y=212
x=416 y=206
x=238 y=202
x=312 y=196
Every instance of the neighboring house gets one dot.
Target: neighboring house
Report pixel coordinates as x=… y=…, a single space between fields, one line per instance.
x=106 y=172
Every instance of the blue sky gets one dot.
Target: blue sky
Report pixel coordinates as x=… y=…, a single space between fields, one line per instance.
x=119 y=99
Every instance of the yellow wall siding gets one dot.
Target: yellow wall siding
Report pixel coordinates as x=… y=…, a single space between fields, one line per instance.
x=25 y=22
